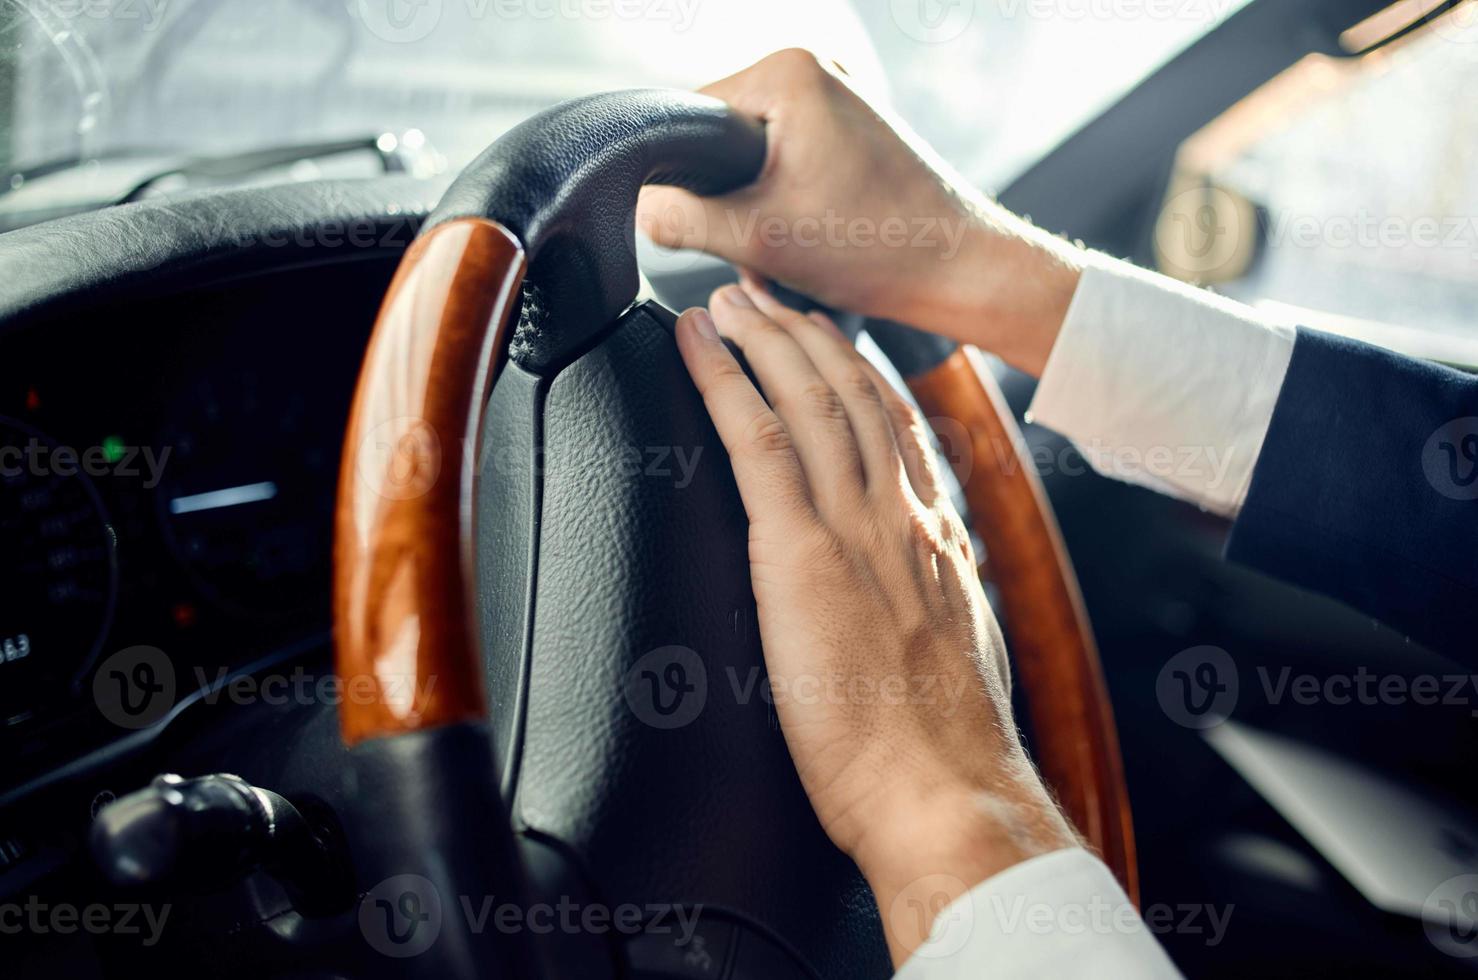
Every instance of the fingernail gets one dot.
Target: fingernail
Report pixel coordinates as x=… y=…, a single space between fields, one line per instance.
x=703 y=323
x=735 y=296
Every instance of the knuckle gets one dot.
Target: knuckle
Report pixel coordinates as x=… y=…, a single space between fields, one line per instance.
x=925 y=529
x=954 y=534
x=818 y=399
x=798 y=64
x=857 y=383
x=904 y=415
x=767 y=436
x=762 y=327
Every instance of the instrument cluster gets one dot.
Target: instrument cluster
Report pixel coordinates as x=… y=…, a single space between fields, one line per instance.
x=167 y=483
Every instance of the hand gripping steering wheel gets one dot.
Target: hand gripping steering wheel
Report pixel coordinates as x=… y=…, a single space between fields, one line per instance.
x=544 y=626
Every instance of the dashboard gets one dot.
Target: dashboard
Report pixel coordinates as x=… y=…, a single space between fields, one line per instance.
x=168 y=468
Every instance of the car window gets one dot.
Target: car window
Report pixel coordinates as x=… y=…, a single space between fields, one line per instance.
x=994 y=84
x=1344 y=194
x=88 y=78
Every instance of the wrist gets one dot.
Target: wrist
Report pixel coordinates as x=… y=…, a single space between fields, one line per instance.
x=922 y=854
x=1007 y=290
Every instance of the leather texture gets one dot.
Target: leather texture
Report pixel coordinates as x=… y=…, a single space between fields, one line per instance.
x=643 y=548
x=509 y=477
x=157 y=245
x=423 y=804
x=565 y=182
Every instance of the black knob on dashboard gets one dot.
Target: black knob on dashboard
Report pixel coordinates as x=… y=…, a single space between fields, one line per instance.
x=203 y=834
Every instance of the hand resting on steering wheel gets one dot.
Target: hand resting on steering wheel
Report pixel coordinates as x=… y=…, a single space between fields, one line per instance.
x=888 y=667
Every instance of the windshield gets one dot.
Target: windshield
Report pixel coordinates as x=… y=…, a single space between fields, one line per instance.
x=992 y=83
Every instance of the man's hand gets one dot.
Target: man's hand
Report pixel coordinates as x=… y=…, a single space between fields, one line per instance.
x=887 y=665
x=859 y=214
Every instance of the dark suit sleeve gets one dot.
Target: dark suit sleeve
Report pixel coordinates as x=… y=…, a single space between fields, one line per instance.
x=1367 y=489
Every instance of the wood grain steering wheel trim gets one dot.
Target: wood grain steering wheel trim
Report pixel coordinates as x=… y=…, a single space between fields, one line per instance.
x=404 y=635
x=1076 y=744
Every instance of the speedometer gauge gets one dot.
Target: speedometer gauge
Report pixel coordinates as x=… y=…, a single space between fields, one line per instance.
x=247 y=498
x=57 y=572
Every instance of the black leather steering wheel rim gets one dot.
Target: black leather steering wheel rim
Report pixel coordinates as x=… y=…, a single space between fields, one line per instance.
x=565 y=183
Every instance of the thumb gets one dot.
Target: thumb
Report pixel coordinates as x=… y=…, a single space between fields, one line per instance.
x=675 y=218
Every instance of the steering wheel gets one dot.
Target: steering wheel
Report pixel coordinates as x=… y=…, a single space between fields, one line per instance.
x=543 y=617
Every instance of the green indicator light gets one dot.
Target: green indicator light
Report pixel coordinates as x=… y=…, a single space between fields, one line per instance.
x=113 y=448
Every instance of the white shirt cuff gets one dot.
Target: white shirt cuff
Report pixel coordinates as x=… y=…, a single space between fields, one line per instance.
x=1164 y=385
x=1059 y=915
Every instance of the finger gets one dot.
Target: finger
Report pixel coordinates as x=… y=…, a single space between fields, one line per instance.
x=910 y=430
x=762 y=88
x=911 y=433
x=672 y=217
x=811 y=409
x=723 y=226
x=846 y=371
x=752 y=282
x=746 y=90
x=771 y=482
x=675 y=218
